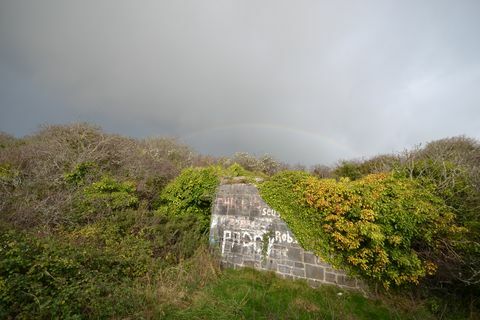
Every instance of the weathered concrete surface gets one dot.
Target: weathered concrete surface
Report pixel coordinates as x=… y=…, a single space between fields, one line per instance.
x=248 y=233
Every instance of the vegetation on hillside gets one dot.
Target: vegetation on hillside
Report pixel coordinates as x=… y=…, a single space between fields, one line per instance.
x=383 y=228
x=450 y=169
x=96 y=225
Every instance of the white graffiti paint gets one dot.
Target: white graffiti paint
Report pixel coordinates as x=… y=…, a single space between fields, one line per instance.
x=254 y=239
x=284 y=237
x=269 y=212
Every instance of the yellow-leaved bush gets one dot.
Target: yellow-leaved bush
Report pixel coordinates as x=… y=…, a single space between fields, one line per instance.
x=384 y=228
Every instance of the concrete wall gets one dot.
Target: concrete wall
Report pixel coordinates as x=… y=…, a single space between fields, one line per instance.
x=248 y=233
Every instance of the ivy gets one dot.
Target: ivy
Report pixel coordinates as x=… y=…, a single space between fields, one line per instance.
x=192 y=192
x=381 y=227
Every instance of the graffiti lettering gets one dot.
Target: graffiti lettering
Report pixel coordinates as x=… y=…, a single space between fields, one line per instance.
x=284 y=237
x=254 y=239
x=269 y=212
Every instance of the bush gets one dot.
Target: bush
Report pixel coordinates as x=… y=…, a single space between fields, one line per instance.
x=45 y=279
x=42 y=174
x=384 y=228
x=102 y=269
x=77 y=176
x=452 y=167
x=102 y=198
x=265 y=164
x=349 y=169
x=192 y=192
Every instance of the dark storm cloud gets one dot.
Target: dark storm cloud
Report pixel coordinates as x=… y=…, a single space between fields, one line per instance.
x=308 y=81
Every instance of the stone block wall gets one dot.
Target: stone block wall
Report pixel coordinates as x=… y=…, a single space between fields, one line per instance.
x=248 y=233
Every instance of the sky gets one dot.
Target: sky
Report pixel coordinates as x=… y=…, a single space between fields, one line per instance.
x=308 y=82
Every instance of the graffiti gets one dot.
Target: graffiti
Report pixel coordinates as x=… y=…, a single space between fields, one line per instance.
x=270 y=212
x=255 y=239
x=251 y=234
x=240 y=203
x=226 y=201
x=284 y=237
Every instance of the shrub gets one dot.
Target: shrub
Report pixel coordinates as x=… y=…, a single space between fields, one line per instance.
x=192 y=192
x=452 y=167
x=103 y=269
x=46 y=279
x=265 y=164
x=236 y=170
x=77 y=176
x=348 y=169
x=322 y=171
x=51 y=165
x=175 y=238
x=105 y=196
x=381 y=227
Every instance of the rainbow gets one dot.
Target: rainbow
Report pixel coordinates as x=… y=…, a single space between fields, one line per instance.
x=324 y=139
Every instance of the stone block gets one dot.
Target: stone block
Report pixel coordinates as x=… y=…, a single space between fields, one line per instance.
x=314 y=272
x=249 y=263
x=249 y=251
x=284 y=269
x=330 y=277
x=299 y=265
x=231 y=211
x=277 y=254
x=295 y=254
x=236 y=248
x=237 y=259
x=290 y=263
x=227 y=248
x=270 y=264
x=299 y=272
x=309 y=257
x=222 y=210
x=281 y=227
x=321 y=262
x=350 y=282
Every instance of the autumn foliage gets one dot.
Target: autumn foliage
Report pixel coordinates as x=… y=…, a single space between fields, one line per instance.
x=384 y=228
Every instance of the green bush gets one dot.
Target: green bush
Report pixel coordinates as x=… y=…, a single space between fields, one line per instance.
x=105 y=196
x=175 y=238
x=349 y=169
x=459 y=263
x=236 y=170
x=384 y=228
x=47 y=170
x=97 y=270
x=77 y=176
x=192 y=192
x=45 y=279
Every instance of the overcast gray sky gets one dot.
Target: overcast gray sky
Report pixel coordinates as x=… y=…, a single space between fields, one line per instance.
x=306 y=81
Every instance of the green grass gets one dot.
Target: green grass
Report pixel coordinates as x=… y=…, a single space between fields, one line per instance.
x=250 y=294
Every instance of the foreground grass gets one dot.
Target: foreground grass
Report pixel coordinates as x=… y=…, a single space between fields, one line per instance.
x=45 y=279
x=250 y=294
